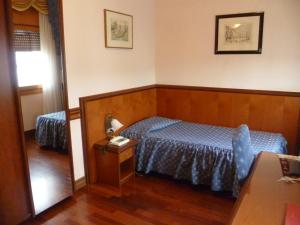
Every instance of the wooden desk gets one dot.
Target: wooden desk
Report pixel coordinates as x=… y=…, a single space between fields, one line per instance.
x=263 y=199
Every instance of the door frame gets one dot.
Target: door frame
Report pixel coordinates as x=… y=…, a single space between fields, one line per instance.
x=7 y=25
x=18 y=96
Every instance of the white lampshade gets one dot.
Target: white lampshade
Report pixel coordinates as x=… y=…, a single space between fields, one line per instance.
x=115 y=124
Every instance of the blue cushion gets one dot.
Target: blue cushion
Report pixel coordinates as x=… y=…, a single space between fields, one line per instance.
x=242 y=152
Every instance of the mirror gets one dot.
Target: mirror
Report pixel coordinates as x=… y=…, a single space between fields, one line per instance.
x=40 y=75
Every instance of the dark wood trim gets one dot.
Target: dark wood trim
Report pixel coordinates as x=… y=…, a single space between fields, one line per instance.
x=298 y=137
x=260 y=34
x=230 y=90
x=29 y=132
x=184 y=87
x=13 y=71
x=65 y=90
x=84 y=137
x=74 y=113
x=80 y=183
x=31 y=90
x=116 y=93
x=18 y=95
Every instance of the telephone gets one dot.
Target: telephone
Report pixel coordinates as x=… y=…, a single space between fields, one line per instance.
x=119 y=141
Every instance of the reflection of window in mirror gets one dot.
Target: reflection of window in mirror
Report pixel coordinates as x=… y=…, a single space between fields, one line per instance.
x=30 y=67
x=26 y=41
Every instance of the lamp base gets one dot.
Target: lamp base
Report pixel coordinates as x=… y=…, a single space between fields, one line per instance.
x=109 y=134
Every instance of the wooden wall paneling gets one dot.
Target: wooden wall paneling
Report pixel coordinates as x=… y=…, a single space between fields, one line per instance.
x=228 y=90
x=291 y=128
x=65 y=89
x=14 y=188
x=206 y=112
x=257 y=112
x=225 y=109
x=240 y=109
x=265 y=111
x=184 y=100
x=210 y=107
x=74 y=113
x=126 y=107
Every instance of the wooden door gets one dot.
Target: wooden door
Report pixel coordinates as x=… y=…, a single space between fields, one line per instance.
x=14 y=192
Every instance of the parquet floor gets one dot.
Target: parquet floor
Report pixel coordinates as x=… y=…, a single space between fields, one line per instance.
x=50 y=175
x=152 y=200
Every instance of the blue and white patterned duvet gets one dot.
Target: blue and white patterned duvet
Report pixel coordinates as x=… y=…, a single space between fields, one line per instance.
x=198 y=153
x=51 y=130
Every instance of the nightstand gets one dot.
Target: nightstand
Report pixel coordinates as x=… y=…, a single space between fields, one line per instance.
x=115 y=165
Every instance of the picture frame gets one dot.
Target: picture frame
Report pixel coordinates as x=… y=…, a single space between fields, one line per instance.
x=239 y=33
x=118 y=29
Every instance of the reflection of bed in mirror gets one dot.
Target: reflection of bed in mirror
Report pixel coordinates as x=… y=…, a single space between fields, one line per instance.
x=51 y=131
x=47 y=151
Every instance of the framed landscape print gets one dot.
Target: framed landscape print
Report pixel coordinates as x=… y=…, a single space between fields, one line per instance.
x=239 y=33
x=118 y=30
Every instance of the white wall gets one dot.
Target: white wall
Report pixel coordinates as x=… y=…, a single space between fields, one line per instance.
x=32 y=106
x=92 y=68
x=78 y=163
x=185 y=34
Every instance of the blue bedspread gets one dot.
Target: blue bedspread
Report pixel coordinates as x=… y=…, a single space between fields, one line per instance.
x=51 y=130
x=199 y=153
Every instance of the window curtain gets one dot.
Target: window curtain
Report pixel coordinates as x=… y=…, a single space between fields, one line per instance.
x=22 y=5
x=52 y=89
x=53 y=7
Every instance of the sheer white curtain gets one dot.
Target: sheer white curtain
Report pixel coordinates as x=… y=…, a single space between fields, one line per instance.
x=52 y=77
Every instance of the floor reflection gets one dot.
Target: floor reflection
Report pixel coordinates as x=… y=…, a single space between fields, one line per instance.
x=49 y=175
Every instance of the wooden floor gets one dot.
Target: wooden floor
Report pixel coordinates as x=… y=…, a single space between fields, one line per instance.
x=152 y=200
x=49 y=175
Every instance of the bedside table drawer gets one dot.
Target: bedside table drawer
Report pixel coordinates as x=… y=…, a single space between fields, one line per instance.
x=126 y=155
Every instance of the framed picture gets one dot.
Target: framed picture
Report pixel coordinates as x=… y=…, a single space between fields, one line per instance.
x=239 y=33
x=118 y=30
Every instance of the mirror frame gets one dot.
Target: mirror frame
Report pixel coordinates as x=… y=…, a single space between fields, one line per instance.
x=66 y=104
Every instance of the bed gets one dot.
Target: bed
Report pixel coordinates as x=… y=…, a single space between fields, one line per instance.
x=199 y=153
x=51 y=131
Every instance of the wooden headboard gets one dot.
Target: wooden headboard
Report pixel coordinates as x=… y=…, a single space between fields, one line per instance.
x=261 y=110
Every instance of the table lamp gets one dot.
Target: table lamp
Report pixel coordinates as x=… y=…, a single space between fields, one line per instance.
x=111 y=125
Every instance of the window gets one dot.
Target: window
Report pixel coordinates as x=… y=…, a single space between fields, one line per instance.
x=29 y=59
x=29 y=68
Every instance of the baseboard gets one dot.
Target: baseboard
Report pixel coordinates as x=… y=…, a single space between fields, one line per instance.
x=30 y=132
x=80 y=183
